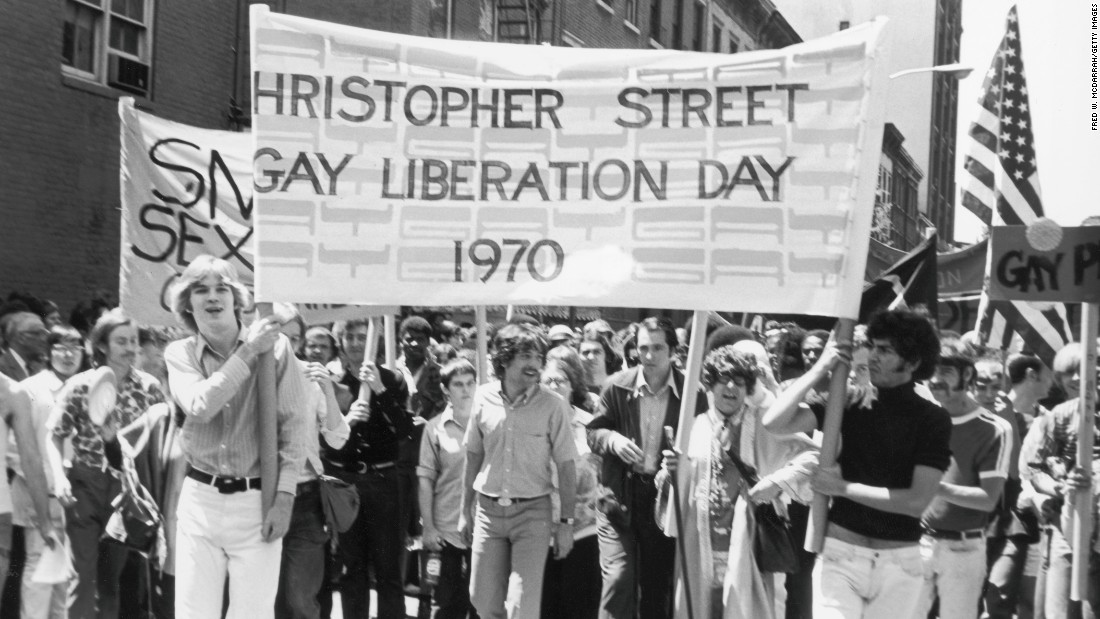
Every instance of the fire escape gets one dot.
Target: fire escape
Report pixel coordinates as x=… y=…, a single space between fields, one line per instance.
x=519 y=21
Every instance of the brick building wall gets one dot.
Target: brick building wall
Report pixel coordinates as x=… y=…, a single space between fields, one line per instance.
x=59 y=189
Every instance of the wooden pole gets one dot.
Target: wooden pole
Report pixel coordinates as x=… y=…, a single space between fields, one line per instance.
x=370 y=352
x=1086 y=425
x=268 y=423
x=688 y=399
x=390 y=326
x=482 y=344
x=830 y=444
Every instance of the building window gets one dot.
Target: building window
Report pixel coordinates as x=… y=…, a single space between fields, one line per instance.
x=607 y=5
x=735 y=45
x=630 y=11
x=716 y=39
x=108 y=42
x=844 y=25
x=655 y=20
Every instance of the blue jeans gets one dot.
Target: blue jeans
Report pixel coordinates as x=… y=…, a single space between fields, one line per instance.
x=303 y=561
x=376 y=538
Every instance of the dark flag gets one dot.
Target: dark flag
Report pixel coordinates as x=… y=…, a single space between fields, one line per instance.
x=1001 y=186
x=909 y=284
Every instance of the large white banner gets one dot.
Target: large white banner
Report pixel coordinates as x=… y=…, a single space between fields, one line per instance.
x=186 y=191
x=404 y=170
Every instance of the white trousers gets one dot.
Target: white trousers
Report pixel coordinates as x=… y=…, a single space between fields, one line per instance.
x=854 y=582
x=219 y=535
x=954 y=569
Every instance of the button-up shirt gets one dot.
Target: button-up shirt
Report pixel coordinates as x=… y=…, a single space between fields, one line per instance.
x=652 y=407
x=218 y=396
x=442 y=460
x=137 y=391
x=517 y=440
x=334 y=437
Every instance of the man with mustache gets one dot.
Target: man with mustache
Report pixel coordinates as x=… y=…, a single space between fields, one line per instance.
x=954 y=544
x=517 y=431
x=894 y=451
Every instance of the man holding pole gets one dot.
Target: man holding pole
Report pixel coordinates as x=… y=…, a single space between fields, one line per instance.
x=379 y=422
x=894 y=452
x=637 y=559
x=222 y=528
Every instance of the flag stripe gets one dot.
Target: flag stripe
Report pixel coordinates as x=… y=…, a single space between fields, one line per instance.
x=1001 y=172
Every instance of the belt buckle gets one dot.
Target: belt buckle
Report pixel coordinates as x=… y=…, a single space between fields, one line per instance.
x=504 y=502
x=222 y=484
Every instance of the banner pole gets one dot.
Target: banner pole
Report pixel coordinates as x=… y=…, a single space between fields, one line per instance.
x=830 y=444
x=390 y=325
x=267 y=423
x=688 y=399
x=482 y=344
x=370 y=353
x=1086 y=426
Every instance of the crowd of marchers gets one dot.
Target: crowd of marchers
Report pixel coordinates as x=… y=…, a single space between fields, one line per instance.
x=546 y=488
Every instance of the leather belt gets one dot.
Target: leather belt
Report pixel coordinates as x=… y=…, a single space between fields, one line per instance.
x=955 y=535
x=364 y=467
x=225 y=485
x=505 y=501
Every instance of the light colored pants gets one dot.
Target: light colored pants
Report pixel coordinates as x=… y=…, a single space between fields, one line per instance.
x=853 y=582
x=954 y=570
x=219 y=534
x=40 y=600
x=509 y=558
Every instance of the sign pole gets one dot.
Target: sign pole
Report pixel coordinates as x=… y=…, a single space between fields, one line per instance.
x=390 y=325
x=688 y=398
x=830 y=444
x=482 y=344
x=267 y=423
x=1086 y=425
x=370 y=353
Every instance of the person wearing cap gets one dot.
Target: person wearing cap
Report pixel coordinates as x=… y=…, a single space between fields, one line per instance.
x=90 y=487
x=560 y=335
x=221 y=525
x=518 y=431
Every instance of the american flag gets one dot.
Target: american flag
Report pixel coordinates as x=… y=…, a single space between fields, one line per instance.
x=1001 y=186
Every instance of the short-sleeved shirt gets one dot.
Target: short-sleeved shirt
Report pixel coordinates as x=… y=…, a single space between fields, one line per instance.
x=880 y=446
x=519 y=440
x=442 y=460
x=137 y=391
x=981 y=448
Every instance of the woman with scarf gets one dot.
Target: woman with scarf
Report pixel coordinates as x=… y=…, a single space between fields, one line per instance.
x=724 y=578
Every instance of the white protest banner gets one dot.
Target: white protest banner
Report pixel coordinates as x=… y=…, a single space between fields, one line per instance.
x=186 y=191
x=406 y=170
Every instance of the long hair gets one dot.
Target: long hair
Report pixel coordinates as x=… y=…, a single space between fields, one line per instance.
x=102 y=330
x=199 y=269
x=567 y=359
x=64 y=334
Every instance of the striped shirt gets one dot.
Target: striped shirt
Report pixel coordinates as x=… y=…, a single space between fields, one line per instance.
x=981 y=448
x=218 y=396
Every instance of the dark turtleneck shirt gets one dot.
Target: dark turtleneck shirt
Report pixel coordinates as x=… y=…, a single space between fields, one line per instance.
x=880 y=447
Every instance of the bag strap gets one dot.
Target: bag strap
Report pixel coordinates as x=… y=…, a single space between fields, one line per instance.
x=747 y=471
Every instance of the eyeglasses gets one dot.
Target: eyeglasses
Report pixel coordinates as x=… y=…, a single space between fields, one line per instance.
x=555 y=381
x=67 y=349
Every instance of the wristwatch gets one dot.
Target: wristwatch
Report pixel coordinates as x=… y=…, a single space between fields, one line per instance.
x=568 y=521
